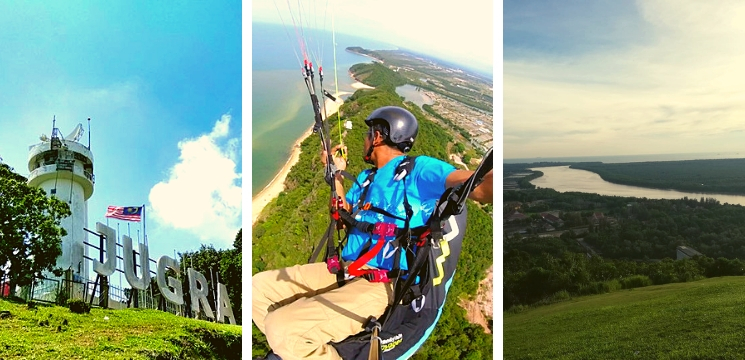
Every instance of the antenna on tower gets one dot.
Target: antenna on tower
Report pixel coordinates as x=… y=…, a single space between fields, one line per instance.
x=89 y=133
x=55 y=142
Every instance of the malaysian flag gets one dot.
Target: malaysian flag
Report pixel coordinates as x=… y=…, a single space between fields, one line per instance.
x=127 y=213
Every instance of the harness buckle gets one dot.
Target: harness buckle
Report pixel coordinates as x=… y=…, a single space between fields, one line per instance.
x=384 y=229
x=336 y=203
x=418 y=308
x=332 y=264
x=377 y=276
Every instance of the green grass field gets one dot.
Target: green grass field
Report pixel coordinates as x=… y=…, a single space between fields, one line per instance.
x=696 y=320
x=53 y=332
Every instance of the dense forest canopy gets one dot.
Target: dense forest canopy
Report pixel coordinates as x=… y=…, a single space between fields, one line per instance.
x=377 y=75
x=633 y=243
x=292 y=224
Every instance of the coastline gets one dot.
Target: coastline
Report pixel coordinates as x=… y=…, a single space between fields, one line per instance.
x=277 y=185
x=358 y=84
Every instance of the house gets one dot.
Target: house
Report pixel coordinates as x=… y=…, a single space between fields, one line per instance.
x=595 y=218
x=684 y=252
x=513 y=205
x=552 y=219
x=516 y=216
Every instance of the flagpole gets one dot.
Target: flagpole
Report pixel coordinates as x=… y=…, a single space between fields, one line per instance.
x=144 y=224
x=116 y=248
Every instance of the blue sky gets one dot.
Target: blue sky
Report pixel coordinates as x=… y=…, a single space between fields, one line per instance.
x=596 y=78
x=461 y=32
x=161 y=82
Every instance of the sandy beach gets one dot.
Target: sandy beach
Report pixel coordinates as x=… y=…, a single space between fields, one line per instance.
x=277 y=185
x=358 y=85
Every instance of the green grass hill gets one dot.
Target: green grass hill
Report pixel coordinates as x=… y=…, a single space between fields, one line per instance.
x=695 y=320
x=54 y=332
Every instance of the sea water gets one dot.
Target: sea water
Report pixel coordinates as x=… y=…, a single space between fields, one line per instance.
x=281 y=109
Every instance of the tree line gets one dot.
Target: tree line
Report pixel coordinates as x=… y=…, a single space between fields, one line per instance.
x=637 y=247
x=534 y=278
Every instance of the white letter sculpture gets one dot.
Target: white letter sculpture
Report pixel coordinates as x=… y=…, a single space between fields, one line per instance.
x=223 y=305
x=107 y=267
x=198 y=292
x=143 y=281
x=177 y=295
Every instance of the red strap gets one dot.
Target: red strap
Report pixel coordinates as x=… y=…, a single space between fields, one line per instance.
x=382 y=230
x=423 y=238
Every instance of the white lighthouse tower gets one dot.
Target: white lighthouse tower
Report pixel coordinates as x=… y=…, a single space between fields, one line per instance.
x=63 y=167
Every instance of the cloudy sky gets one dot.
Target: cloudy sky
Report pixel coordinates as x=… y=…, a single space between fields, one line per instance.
x=162 y=86
x=588 y=78
x=461 y=32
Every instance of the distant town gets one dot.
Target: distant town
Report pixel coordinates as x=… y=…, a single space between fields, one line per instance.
x=463 y=98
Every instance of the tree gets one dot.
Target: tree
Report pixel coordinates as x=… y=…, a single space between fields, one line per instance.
x=231 y=276
x=221 y=265
x=30 y=232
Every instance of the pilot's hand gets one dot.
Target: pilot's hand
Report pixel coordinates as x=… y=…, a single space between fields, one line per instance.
x=339 y=161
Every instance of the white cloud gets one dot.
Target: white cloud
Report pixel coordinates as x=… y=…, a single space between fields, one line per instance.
x=676 y=88
x=202 y=194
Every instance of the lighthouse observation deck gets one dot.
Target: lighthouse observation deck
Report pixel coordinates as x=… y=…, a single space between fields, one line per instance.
x=66 y=159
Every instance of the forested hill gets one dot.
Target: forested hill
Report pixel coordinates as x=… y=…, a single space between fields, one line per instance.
x=292 y=224
x=378 y=76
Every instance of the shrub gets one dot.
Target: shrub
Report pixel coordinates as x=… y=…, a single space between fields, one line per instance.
x=599 y=287
x=613 y=285
x=558 y=296
x=636 y=281
x=61 y=297
x=78 y=306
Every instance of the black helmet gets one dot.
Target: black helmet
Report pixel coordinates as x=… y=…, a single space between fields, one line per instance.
x=402 y=126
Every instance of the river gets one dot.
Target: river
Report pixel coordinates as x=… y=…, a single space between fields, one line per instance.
x=563 y=179
x=413 y=94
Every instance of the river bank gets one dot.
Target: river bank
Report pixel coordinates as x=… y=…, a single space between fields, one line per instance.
x=565 y=179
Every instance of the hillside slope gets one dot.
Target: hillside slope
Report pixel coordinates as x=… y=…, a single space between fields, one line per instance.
x=695 y=320
x=53 y=332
